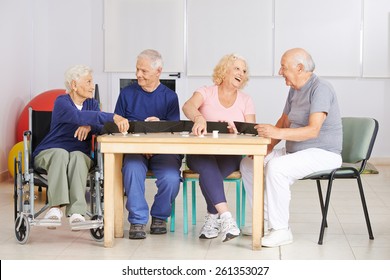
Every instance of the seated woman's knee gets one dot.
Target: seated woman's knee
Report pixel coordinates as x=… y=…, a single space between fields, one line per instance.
x=60 y=155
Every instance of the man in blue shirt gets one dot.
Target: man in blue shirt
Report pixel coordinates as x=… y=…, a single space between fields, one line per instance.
x=149 y=100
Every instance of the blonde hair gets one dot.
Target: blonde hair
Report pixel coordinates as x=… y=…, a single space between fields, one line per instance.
x=74 y=73
x=223 y=65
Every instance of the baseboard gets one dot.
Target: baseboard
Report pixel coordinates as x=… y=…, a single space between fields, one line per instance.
x=380 y=161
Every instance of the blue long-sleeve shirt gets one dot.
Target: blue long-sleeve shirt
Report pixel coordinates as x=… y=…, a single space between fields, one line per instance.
x=135 y=104
x=66 y=118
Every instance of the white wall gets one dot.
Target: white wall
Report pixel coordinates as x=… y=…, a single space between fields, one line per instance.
x=15 y=70
x=67 y=33
x=48 y=36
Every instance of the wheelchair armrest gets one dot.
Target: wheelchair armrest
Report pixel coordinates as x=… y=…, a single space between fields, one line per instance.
x=27 y=133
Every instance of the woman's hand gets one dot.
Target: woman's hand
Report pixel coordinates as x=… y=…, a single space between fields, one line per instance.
x=200 y=125
x=82 y=132
x=232 y=129
x=122 y=123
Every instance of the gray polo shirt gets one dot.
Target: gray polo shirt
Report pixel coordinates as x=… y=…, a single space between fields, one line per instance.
x=315 y=96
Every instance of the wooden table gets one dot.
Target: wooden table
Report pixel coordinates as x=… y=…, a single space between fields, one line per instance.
x=114 y=146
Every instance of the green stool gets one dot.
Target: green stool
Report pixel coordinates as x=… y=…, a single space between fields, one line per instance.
x=193 y=177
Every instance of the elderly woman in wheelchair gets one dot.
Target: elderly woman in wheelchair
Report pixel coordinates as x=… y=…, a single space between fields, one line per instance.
x=64 y=153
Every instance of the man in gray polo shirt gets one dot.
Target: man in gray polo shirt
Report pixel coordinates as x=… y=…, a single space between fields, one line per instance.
x=311 y=126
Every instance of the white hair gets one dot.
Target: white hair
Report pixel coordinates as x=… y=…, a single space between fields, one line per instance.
x=306 y=60
x=74 y=74
x=154 y=56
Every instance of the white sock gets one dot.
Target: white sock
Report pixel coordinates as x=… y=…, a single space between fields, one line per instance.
x=226 y=215
x=214 y=216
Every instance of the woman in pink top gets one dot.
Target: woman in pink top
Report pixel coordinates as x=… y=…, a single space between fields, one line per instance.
x=224 y=101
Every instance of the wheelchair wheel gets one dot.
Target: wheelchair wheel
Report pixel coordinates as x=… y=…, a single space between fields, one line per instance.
x=17 y=186
x=97 y=233
x=15 y=189
x=22 y=229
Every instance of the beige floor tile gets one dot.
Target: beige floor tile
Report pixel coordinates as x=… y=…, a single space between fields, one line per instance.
x=346 y=237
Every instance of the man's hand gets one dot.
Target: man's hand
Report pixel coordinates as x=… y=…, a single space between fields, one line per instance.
x=268 y=131
x=152 y=119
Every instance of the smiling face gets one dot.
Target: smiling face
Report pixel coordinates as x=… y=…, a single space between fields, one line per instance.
x=293 y=70
x=236 y=74
x=148 y=77
x=289 y=70
x=231 y=70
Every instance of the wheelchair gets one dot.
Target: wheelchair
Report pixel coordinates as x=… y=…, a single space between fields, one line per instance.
x=27 y=178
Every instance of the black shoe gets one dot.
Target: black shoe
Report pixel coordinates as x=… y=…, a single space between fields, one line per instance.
x=137 y=231
x=158 y=226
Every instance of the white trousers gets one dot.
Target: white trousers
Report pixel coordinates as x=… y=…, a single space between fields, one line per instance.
x=281 y=170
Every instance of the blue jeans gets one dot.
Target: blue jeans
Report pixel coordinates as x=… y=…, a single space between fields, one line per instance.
x=166 y=169
x=212 y=170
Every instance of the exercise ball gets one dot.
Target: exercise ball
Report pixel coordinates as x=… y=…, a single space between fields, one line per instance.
x=41 y=102
x=13 y=153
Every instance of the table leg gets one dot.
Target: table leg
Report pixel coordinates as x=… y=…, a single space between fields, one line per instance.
x=258 y=202
x=118 y=196
x=108 y=200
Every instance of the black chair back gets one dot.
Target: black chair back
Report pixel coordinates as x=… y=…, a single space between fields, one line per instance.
x=39 y=126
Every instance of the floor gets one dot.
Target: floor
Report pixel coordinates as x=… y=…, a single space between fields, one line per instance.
x=345 y=239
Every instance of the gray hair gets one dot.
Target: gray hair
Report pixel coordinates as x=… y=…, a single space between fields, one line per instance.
x=74 y=74
x=154 y=56
x=306 y=60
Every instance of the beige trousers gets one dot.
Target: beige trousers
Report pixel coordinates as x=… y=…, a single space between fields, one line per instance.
x=67 y=178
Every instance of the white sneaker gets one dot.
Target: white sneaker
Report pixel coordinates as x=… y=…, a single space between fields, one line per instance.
x=229 y=229
x=277 y=238
x=76 y=218
x=52 y=218
x=54 y=213
x=210 y=228
x=248 y=229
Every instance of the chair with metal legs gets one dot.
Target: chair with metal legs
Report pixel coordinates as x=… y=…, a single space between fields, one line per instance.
x=359 y=136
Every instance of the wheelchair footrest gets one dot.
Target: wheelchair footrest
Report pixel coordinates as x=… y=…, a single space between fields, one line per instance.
x=47 y=223
x=91 y=224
